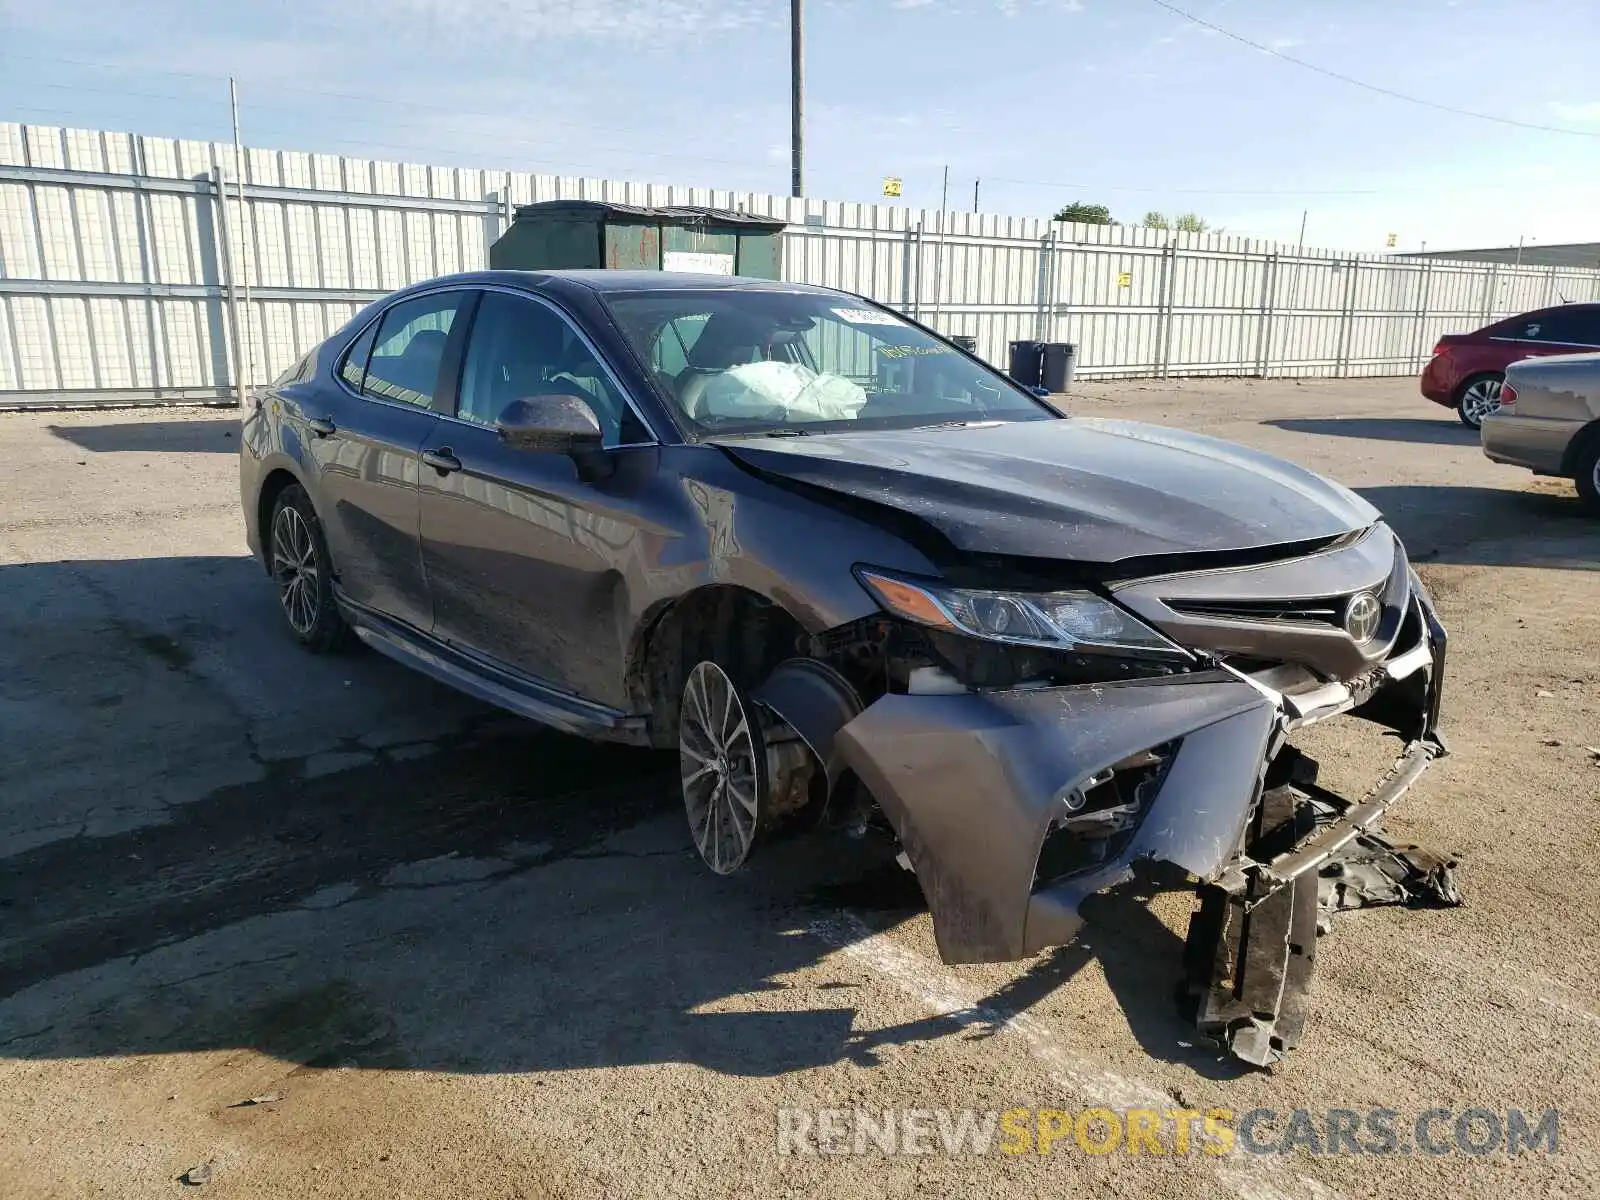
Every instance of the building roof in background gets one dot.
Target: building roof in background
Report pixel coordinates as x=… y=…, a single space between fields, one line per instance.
x=1562 y=254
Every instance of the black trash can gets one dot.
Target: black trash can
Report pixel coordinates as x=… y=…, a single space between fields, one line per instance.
x=966 y=341
x=1060 y=360
x=1026 y=362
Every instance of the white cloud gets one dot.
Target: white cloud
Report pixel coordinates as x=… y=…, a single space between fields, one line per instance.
x=1589 y=111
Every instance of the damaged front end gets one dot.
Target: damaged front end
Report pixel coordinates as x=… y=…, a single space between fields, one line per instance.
x=1021 y=777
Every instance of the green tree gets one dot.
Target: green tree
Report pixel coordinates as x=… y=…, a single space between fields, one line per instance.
x=1188 y=222
x=1085 y=214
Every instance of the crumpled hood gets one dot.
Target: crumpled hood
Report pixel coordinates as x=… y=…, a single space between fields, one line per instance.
x=1084 y=489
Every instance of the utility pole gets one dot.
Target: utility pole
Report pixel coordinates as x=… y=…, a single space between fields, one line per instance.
x=1304 y=213
x=975 y=184
x=797 y=81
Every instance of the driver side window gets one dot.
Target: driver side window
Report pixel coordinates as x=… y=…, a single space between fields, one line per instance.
x=519 y=348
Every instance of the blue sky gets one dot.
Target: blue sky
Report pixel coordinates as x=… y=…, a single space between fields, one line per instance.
x=1047 y=101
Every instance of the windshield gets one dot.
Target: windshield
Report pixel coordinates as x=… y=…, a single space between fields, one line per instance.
x=735 y=361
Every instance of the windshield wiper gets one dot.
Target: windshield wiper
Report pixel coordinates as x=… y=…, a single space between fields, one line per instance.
x=787 y=433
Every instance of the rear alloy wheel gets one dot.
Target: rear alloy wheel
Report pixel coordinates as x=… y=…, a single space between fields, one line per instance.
x=297 y=556
x=1479 y=398
x=723 y=758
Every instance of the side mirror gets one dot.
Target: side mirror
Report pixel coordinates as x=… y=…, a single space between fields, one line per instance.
x=554 y=424
x=557 y=424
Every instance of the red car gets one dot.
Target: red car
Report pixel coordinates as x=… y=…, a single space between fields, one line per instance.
x=1467 y=369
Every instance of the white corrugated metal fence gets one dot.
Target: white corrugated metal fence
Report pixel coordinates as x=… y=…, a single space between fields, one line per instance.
x=125 y=262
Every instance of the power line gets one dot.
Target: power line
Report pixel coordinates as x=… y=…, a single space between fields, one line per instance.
x=1362 y=83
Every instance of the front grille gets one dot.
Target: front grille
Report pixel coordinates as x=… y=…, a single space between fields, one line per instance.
x=1326 y=611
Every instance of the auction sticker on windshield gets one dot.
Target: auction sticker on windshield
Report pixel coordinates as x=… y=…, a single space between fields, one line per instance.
x=866 y=316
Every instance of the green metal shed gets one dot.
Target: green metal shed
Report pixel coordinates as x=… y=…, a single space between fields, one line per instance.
x=560 y=234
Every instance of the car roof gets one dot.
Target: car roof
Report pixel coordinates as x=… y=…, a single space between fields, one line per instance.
x=604 y=280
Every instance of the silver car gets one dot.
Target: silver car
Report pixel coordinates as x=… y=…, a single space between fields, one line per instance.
x=1549 y=421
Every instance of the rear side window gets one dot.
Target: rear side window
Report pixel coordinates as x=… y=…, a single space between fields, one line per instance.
x=1576 y=326
x=409 y=350
x=353 y=367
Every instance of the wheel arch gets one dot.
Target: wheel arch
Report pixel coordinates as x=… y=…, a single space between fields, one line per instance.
x=743 y=631
x=1473 y=377
x=1580 y=444
x=276 y=481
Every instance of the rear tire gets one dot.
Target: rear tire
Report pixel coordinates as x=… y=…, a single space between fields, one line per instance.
x=302 y=569
x=1478 y=397
x=1586 y=467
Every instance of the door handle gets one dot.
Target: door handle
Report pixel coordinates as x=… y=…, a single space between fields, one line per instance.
x=441 y=460
x=321 y=426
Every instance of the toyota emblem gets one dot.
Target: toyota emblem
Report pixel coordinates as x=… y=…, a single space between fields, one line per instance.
x=1362 y=612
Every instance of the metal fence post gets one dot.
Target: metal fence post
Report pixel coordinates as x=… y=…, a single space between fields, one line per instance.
x=1170 y=303
x=1169 y=283
x=1268 y=305
x=155 y=327
x=221 y=232
x=914 y=300
x=1346 y=318
x=1424 y=299
x=1490 y=283
x=1045 y=286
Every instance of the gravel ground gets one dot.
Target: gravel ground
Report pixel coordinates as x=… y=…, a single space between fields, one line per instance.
x=474 y=958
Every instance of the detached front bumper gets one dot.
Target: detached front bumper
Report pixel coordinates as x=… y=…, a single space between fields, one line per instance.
x=975 y=783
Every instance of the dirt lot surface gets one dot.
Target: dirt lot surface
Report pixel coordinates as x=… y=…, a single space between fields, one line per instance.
x=473 y=958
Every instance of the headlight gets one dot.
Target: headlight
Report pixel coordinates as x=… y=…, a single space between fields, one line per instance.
x=1056 y=620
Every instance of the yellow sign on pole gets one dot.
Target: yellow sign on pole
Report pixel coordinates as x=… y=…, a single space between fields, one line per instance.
x=1125 y=279
x=891 y=185
x=1393 y=240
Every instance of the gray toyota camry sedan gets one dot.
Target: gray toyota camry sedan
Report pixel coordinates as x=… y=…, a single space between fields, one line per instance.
x=857 y=578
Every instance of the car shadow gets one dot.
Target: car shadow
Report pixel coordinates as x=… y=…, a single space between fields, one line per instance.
x=508 y=904
x=1545 y=526
x=1448 y=432
x=511 y=899
x=215 y=435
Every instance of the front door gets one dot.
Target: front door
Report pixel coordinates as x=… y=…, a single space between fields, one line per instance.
x=524 y=558
x=367 y=445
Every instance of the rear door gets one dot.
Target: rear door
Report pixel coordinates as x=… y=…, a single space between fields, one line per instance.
x=367 y=446
x=524 y=558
